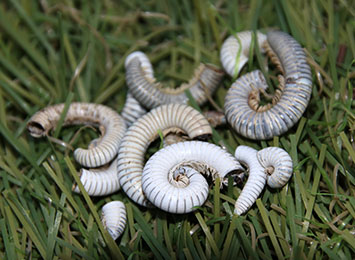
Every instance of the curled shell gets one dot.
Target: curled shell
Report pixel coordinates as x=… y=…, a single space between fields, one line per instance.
x=187 y=160
x=242 y=102
x=110 y=123
x=278 y=165
x=99 y=181
x=113 y=218
x=231 y=62
x=256 y=180
x=143 y=85
x=143 y=132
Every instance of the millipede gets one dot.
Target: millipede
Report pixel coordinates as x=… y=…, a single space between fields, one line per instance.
x=113 y=217
x=172 y=179
x=242 y=103
x=109 y=122
x=150 y=93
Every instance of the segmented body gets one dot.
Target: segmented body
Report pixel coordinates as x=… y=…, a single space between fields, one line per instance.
x=110 y=123
x=113 y=218
x=143 y=132
x=235 y=54
x=132 y=110
x=278 y=165
x=101 y=181
x=189 y=159
x=271 y=165
x=143 y=85
x=256 y=180
x=242 y=102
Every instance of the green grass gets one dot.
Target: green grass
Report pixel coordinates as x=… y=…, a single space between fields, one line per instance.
x=63 y=51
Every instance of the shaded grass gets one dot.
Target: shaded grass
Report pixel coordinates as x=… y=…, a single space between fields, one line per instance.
x=54 y=52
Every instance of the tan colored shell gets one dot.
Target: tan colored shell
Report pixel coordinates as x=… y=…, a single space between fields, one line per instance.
x=110 y=123
x=143 y=132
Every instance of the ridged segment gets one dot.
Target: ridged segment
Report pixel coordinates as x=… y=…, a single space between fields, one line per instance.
x=132 y=110
x=231 y=47
x=113 y=218
x=280 y=163
x=256 y=180
x=99 y=182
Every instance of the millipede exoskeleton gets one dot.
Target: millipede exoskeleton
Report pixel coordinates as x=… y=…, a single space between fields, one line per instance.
x=235 y=51
x=271 y=165
x=143 y=132
x=256 y=180
x=99 y=181
x=143 y=85
x=110 y=123
x=172 y=178
x=132 y=110
x=277 y=164
x=242 y=102
x=113 y=218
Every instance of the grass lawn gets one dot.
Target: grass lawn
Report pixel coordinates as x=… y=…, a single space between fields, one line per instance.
x=62 y=51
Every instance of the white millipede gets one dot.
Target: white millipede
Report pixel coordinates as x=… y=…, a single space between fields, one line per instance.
x=113 y=217
x=185 y=161
x=231 y=62
x=138 y=137
x=256 y=180
x=132 y=110
x=242 y=102
x=270 y=165
x=278 y=165
x=99 y=181
x=143 y=86
x=110 y=123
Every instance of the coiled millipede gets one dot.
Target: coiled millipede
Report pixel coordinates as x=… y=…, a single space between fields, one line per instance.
x=235 y=52
x=242 y=102
x=113 y=217
x=99 y=181
x=110 y=123
x=277 y=164
x=138 y=137
x=272 y=165
x=143 y=86
x=172 y=178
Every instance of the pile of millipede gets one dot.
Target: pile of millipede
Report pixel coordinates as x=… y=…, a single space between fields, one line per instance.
x=172 y=179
